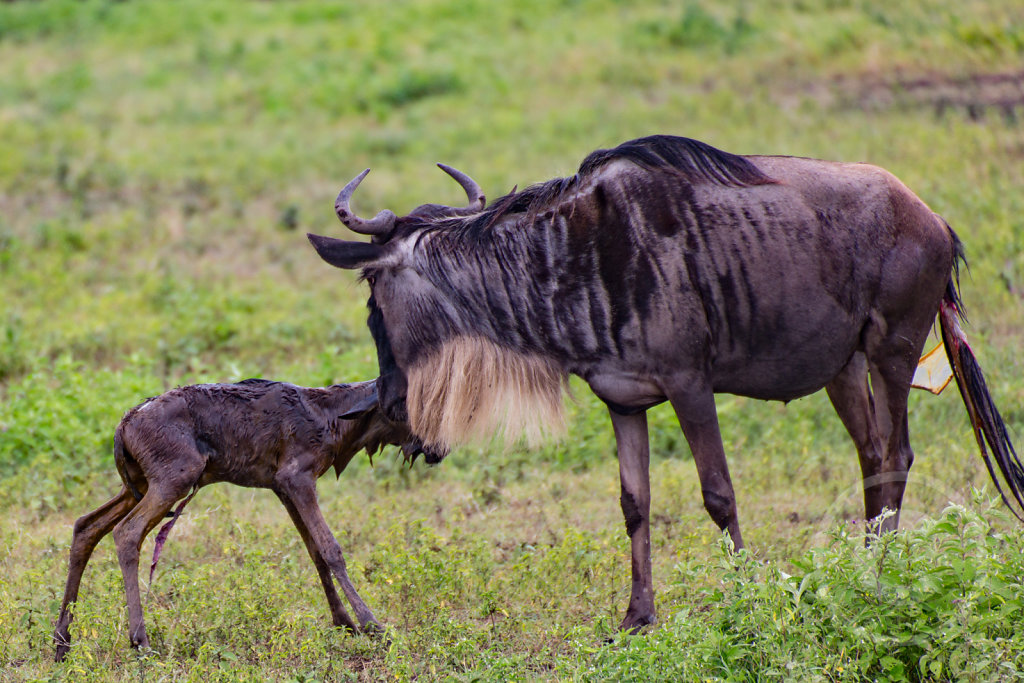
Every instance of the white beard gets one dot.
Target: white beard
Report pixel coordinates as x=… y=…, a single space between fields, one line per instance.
x=472 y=392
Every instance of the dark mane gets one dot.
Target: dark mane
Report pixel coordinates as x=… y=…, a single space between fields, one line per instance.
x=696 y=161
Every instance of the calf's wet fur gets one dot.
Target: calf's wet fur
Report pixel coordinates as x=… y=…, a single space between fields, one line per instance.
x=256 y=433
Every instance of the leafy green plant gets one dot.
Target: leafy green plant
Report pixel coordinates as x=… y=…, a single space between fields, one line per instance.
x=934 y=603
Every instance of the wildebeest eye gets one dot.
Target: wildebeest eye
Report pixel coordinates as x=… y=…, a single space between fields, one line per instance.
x=371 y=279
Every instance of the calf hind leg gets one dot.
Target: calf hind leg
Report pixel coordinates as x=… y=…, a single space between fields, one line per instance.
x=88 y=531
x=129 y=533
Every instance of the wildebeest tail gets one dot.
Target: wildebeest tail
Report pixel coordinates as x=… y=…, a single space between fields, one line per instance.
x=988 y=426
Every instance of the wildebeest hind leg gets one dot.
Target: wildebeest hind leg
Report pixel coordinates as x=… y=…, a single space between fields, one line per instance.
x=876 y=415
x=891 y=374
x=634 y=477
x=851 y=396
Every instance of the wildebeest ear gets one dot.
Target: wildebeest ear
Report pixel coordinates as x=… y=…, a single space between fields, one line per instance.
x=361 y=408
x=347 y=255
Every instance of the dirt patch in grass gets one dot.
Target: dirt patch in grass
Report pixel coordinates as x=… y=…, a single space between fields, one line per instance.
x=975 y=95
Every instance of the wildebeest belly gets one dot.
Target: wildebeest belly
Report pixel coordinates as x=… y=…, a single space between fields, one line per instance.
x=793 y=358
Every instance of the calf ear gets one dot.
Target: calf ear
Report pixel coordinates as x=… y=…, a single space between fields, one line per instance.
x=347 y=255
x=361 y=408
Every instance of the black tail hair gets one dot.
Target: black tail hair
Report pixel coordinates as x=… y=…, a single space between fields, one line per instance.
x=986 y=422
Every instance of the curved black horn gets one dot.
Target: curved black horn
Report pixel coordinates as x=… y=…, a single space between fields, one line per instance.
x=477 y=201
x=378 y=225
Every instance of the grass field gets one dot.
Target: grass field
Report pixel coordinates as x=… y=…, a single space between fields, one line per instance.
x=159 y=166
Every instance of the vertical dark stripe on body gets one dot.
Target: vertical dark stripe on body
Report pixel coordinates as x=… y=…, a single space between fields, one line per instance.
x=614 y=248
x=701 y=268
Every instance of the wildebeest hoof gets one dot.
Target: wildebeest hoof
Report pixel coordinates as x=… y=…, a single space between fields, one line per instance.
x=379 y=633
x=372 y=628
x=635 y=624
x=145 y=652
x=62 y=652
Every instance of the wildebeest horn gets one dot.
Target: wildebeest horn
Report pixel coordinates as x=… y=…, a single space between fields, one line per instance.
x=477 y=201
x=378 y=225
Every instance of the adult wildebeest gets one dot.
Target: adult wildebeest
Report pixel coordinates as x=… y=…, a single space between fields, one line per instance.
x=666 y=269
x=254 y=433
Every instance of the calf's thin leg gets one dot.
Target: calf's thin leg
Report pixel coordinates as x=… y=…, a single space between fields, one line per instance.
x=694 y=405
x=633 y=451
x=88 y=531
x=338 y=613
x=300 y=488
x=129 y=534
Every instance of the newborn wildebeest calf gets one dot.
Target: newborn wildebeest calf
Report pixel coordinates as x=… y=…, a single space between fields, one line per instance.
x=254 y=433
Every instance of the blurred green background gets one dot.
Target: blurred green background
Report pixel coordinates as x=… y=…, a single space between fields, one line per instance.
x=159 y=166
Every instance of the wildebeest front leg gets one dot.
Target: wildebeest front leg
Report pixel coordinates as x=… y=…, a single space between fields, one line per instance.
x=339 y=616
x=300 y=488
x=89 y=530
x=694 y=406
x=634 y=476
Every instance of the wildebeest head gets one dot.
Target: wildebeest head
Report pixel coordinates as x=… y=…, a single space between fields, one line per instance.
x=398 y=289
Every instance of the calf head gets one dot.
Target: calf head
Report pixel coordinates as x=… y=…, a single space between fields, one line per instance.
x=371 y=429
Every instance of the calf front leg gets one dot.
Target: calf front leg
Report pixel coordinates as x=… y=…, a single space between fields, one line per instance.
x=635 y=481
x=300 y=489
x=338 y=614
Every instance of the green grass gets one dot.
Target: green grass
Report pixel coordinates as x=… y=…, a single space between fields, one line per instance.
x=159 y=164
